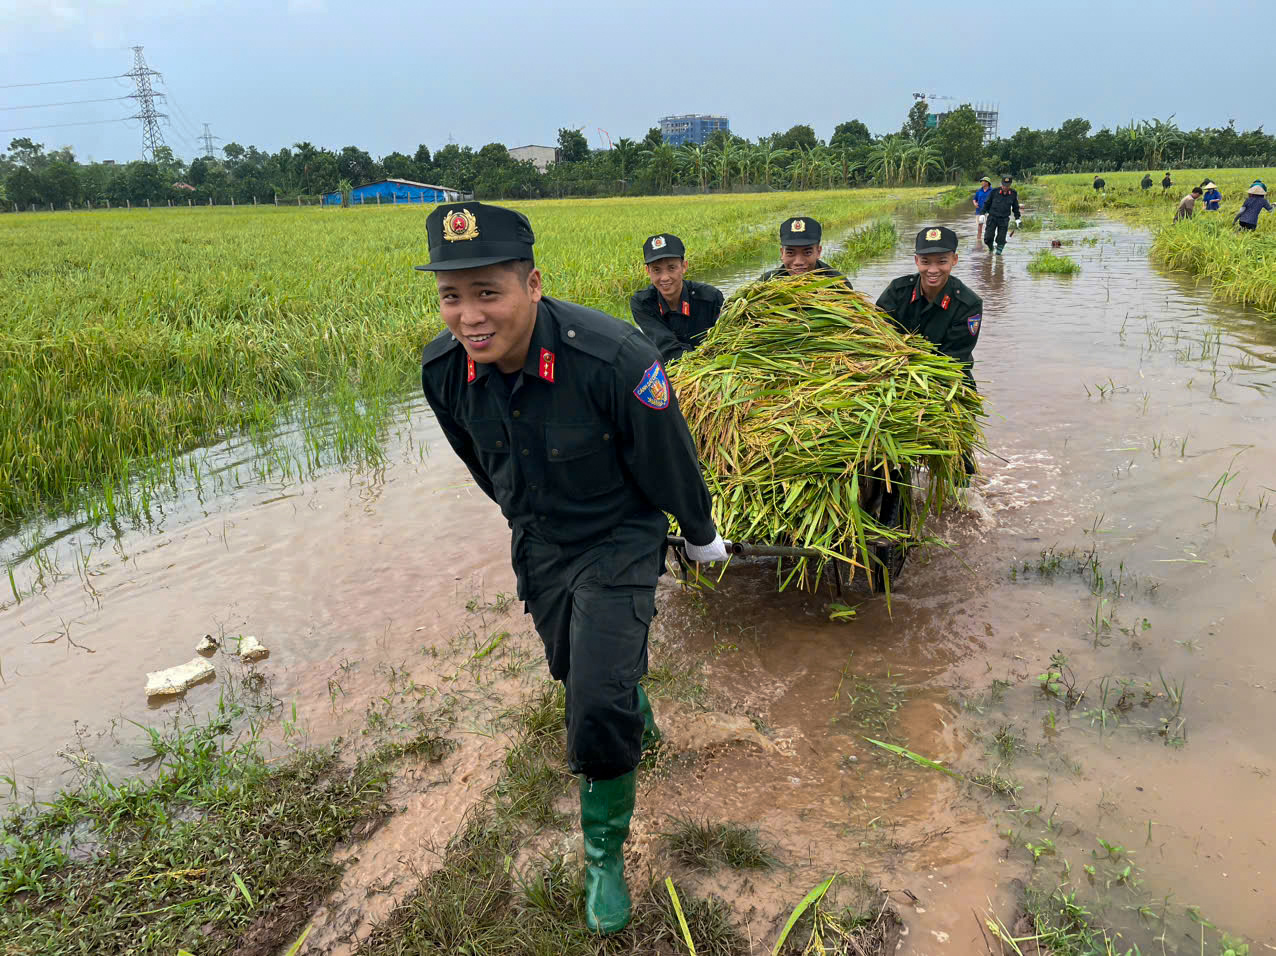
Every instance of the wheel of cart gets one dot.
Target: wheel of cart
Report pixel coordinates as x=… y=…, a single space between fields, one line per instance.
x=889 y=506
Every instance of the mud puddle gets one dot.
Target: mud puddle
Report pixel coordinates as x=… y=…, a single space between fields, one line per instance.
x=1132 y=442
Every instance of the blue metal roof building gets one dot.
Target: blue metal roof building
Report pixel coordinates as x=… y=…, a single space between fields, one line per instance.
x=394 y=191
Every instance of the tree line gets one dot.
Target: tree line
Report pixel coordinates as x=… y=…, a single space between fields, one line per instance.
x=922 y=151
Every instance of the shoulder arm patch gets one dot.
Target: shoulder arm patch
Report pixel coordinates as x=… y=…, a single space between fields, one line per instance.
x=653 y=388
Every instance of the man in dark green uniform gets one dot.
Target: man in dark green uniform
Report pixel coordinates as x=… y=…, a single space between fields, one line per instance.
x=999 y=205
x=800 y=250
x=565 y=418
x=674 y=312
x=933 y=303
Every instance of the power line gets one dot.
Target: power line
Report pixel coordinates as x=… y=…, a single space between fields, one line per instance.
x=87 y=79
x=40 y=106
x=20 y=129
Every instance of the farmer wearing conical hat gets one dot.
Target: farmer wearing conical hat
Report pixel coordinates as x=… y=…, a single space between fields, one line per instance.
x=1211 y=195
x=1255 y=202
x=800 y=250
x=674 y=312
x=565 y=418
x=985 y=187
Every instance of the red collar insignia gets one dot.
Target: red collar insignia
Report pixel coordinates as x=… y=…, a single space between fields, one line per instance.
x=914 y=298
x=471 y=373
x=944 y=304
x=547 y=366
x=686 y=307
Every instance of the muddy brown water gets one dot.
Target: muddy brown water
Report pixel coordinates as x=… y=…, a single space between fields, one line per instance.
x=1120 y=401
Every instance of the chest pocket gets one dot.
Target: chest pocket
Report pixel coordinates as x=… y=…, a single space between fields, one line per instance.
x=493 y=444
x=581 y=460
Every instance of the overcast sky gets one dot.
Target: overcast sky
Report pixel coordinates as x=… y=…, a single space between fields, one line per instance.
x=387 y=76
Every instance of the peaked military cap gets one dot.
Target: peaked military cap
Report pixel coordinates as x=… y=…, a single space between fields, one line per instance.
x=469 y=235
x=936 y=239
x=1007 y=179
x=663 y=246
x=800 y=231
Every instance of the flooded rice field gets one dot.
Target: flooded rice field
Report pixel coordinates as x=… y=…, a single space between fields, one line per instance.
x=1089 y=651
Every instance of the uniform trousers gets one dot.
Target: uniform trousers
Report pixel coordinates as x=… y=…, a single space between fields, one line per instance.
x=996 y=225
x=592 y=605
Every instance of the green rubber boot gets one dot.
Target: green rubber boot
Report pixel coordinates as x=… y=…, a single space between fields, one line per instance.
x=651 y=734
x=999 y=248
x=606 y=807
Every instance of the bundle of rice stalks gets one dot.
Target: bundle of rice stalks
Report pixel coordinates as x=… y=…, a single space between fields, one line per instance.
x=810 y=410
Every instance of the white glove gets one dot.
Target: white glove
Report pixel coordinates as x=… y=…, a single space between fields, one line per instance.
x=1018 y=222
x=715 y=550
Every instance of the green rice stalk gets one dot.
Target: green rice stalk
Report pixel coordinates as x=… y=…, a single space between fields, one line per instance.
x=804 y=398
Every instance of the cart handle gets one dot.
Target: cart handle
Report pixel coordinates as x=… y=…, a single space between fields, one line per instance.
x=744 y=549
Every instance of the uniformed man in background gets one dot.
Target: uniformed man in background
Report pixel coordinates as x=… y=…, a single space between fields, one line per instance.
x=565 y=418
x=674 y=312
x=999 y=205
x=800 y=250
x=934 y=303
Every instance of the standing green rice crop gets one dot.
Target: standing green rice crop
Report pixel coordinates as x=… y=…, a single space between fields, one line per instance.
x=804 y=394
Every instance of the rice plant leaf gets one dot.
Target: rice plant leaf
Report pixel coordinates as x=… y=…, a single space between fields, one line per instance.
x=242 y=888
x=916 y=758
x=809 y=900
x=682 y=920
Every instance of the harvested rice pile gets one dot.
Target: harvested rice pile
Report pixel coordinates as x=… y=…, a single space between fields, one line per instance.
x=806 y=404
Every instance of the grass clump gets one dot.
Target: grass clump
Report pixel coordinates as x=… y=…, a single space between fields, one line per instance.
x=1069 y=222
x=851 y=918
x=875 y=239
x=804 y=396
x=218 y=852
x=1049 y=263
x=701 y=845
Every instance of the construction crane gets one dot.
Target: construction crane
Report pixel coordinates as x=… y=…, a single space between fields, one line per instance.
x=601 y=133
x=931 y=96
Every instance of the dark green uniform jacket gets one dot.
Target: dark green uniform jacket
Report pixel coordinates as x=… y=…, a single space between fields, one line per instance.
x=952 y=321
x=589 y=435
x=676 y=332
x=1001 y=204
x=821 y=268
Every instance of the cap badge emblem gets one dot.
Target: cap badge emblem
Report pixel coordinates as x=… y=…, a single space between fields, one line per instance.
x=657 y=242
x=933 y=234
x=460 y=225
x=799 y=225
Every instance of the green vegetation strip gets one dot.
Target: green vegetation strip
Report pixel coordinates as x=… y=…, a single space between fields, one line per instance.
x=1241 y=267
x=129 y=340
x=218 y=852
x=804 y=394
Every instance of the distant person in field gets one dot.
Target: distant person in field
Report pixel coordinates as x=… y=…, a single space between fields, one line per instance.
x=1255 y=202
x=1146 y=182
x=1211 y=196
x=1099 y=184
x=800 y=250
x=1187 y=205
x=674 y=312
x=1166 y=183
x=985 y=187
x=998 y=207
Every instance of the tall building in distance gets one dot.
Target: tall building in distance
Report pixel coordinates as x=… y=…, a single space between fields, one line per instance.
x=691 y=128
x=988 y=114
